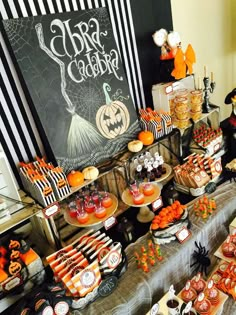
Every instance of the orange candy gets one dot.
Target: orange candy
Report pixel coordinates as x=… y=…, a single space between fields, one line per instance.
x=154 y=226
x=168 y=215
x=163 y=224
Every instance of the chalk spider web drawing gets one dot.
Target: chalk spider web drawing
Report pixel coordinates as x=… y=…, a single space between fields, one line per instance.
x=102 y=16
x=87 y=99
x=82 y=135
x=20 y=33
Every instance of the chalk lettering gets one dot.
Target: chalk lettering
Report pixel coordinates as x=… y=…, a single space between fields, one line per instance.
x=82 y=44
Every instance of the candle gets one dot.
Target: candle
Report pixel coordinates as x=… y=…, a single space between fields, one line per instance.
x=205 y=71
x=195 y=82
x=199 y=83
x=212 y=78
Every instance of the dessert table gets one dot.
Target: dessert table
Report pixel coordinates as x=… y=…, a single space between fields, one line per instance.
x=137 y=291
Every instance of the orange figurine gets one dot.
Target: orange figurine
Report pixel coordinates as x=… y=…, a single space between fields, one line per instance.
x=205 y=200
x=137 y=259
x=144 y=252
x=212 y=293
x=151 y=257
x=158 y=252
x=179 y=71
x=144 y=264
x=151 y=254
x=190 y=58
x=150 y=245
x=213 y=204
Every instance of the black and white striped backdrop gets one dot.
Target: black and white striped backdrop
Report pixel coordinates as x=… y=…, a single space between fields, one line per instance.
x=133 y=22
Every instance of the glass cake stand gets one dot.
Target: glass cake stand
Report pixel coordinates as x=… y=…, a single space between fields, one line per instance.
x=93 y=221
x=145 y=214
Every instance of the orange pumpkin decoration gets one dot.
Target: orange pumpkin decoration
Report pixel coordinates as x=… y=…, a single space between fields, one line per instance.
x=75 y=178
x=146 y=137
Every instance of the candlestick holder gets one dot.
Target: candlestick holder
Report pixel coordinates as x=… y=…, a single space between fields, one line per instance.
x=208 y=88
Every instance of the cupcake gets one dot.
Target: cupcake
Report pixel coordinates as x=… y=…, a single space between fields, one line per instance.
x=233 y=239
x=182 y=114
x=188 y=293
x=223 y=267
x=212 y=293
x=202 y=305
x=196 y=107
x=181 y=104
x=228 y=248
x=195 y=115
x=196 y=96
x=182 y=93
x=197 y=283
x=182 y=123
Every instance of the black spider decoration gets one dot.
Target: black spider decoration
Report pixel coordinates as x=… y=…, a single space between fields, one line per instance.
x=201 y=259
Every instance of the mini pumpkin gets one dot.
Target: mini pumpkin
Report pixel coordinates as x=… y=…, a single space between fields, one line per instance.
x=146 y=137
x=112 y=119
x=90 y=172
x=135 y=146
x=75 y=178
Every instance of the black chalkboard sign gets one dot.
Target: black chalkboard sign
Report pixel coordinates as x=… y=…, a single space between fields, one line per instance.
x=72 y=69
x=107 y=286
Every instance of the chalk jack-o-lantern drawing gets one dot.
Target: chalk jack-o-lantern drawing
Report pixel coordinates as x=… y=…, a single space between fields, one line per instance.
x=113 y=118
x=14 y=268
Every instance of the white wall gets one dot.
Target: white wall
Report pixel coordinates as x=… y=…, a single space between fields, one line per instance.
x=208 y=25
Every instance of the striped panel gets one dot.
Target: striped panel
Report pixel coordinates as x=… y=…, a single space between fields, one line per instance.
x=19 y=136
